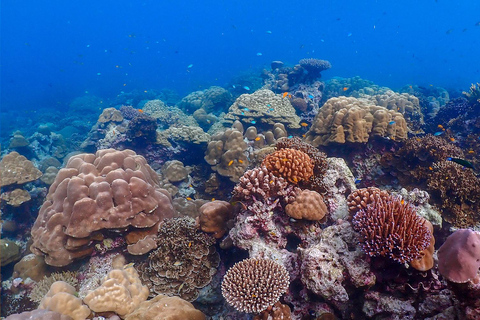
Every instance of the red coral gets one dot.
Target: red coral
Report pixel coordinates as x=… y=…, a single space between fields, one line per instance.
x=390 y=227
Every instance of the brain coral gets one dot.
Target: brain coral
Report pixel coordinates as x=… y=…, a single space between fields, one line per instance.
x=253 y=285
x=94 y=193
x=347 y=119
x=184 y=261
x=291 y=164
x=263 y=107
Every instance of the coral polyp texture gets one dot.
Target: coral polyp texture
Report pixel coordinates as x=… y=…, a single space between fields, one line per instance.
x=459 y=256
x=390 y=227
x=361 y=198
x=347 y=119
x=94 y=194
x=293 y=165
x=184 y=261
x=253 y=285
x=16 y=169
x=308 y=205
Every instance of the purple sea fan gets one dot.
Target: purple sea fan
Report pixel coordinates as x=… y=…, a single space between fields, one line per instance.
x=390 y=227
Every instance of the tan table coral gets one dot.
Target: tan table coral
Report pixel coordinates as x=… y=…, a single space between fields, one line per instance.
x=163 y=307
x=16 y=197
x=61 y=298
x=15 y=168
x=94 y=193
x=121 y=292
x=263 y=107
x=347 y=119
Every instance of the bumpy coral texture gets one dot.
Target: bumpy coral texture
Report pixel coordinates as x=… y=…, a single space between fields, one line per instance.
x=425 y=262
x=459 y=256
x=390 y=227
x=263 y=107
x=184 y=261
x=315 y=66
x=458 y=191
x=293 y=165
x=308 y=205
x=361 y=198
x=94 y=193
x=214 y=217
x=121 y=292
x=253 y=285
x=16 y=169
x=278 y=311
x=163 y=307
x=226 y=153
x=16 y=197
x=347 y=119
x=62 y=298
x=38 y=314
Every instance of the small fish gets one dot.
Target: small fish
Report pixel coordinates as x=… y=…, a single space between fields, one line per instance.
x=230 y=163
x=310 y=96
x=391 y=122
x=213 y=199
x=349 y=35
x=189 y=66
x=99 y=73
x=234 y=86
x=253 y=122
x=284 y=94
x=290 y=137
x=439 y=133
x=131 y=264
x=452 y=139
x=463 y=162
x=271 y=109
x=358 y=180
x=246 y=109
x=402 y=202
x=140 y=110
x=189 y=199
x=178 y=263
x=430 y=168
x=284 y=159
x=246 y=88
x=190 y=244
x=268 y=31
x=258 y=139
x=440 y=127
x=304 y=124
x=240 y=161
x=471 y=151
x=345 y=88
x=259 y=54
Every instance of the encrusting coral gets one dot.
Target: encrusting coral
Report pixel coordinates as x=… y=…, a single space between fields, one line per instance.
x=347 y=119
x=16 y=169
x=61 y=298
x=214 y=217
x=94 y=193
x=184 y=261
x=253 y=285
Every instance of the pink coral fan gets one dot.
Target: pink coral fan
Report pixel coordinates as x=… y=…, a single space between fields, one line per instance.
x=390 y=227
x=459 y=256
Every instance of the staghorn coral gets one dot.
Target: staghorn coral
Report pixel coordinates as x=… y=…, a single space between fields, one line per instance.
x=184 y=261
x=459 y=256
x=347 y=119
x=42 y=287
x=94 y=193
x=457 y=189
x=361 y=198
x=121 y=292
x=308 y=205
x=226 y=153
x=263 y=107
x=163 y=307
x=390 y=227
x=214 y=217
x=16 y=169
x=61 y=298
x=293 y=165
x=253 y=285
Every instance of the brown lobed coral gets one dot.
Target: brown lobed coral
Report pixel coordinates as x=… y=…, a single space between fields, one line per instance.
x=291 y=164
x=308 y=205
x=253 y=285
x=347 y=119
x=361 y=198
x=278 y=311
x=184 y=261
x=214 y=217
x=95 y=193
x=390 y=227
x=16 y=169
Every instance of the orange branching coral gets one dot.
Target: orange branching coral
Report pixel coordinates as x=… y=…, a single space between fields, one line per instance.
x=293 y=165
x=390 y=227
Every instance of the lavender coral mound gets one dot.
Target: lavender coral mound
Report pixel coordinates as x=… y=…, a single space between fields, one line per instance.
x=315 y=65
x=184 y=261
x=459 y=256
x=390 y=227
x=95 y=193
x=253 y=285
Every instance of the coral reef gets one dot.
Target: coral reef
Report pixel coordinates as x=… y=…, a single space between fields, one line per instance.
x=308 y=205
x=253 y=285
x=291 y=164
x=94 y=193
x=213 y=99
x=185 y=260
x=16 y=169
x=61 y=298
x=215 y=217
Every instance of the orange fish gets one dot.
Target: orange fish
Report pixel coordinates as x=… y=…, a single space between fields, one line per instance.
x=430 y=168
x=440 y=126
x=284 y=94
x=402 y=202
x=240 y=161
x=213 y=199
x=257 y=139
x=188 y=198
x=230 y=163
x=471 y=151
x=452 y=139
x=140 y=110
x=345 y=88
x=304 y=124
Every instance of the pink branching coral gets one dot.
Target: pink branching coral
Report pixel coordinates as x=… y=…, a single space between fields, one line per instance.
x=253 y=285
x=390 y=227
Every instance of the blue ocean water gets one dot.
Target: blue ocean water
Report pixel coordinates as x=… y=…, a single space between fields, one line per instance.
x=54 y=51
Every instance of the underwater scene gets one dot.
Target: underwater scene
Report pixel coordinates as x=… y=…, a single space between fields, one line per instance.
x=267 y=160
